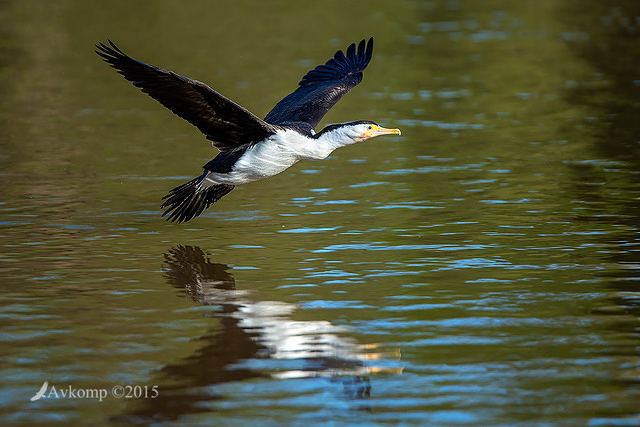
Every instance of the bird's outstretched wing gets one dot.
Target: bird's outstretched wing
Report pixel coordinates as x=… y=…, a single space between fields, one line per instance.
x=322 y=87
x=226 y=124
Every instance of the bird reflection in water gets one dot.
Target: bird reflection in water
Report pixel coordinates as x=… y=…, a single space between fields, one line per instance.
x=252 y=339
x=267 y=322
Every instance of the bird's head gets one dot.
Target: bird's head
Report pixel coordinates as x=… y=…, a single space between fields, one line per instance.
x=364 y=129
x=350 y=133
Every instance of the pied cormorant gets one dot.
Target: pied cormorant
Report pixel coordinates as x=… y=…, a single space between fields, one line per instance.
x=252 y=148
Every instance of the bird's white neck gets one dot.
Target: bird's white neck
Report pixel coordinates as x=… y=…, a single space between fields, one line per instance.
x=327 y=142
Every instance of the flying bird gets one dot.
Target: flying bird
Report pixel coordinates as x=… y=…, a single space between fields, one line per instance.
x=252 y=148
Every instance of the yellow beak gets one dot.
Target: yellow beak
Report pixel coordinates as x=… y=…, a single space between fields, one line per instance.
x=379 y=130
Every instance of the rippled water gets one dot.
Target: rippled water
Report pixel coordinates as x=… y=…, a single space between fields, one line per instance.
x=481 y=269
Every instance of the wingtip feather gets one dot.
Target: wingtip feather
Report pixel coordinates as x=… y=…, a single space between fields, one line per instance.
x=354 y=61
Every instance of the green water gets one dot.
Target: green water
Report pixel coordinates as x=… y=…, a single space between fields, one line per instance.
x=481 y=269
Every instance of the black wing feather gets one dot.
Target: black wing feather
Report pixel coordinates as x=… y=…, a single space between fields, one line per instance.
x=322 y=87
x=226 y=124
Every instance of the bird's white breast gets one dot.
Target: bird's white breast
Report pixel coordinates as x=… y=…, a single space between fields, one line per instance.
x=270 y=157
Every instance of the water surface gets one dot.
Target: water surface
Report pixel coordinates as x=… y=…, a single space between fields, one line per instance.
x=481 y=269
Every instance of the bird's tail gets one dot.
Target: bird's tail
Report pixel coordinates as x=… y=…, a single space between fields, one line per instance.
x=188 y=200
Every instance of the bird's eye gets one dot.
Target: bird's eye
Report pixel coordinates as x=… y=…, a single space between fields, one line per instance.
x=369 y=128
